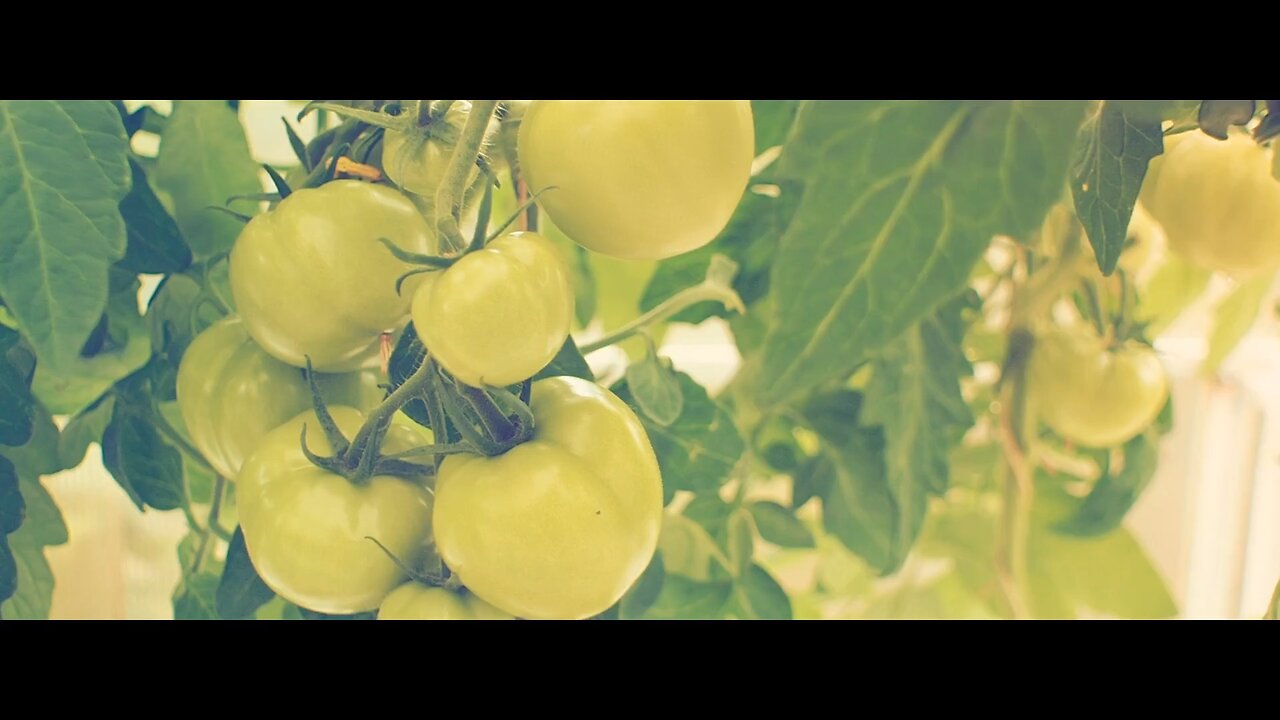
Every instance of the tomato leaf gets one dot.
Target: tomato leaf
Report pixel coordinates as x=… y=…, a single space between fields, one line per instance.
x=901 y=200
x=655 y=388
x=85 y=429
x=1103 y=509
x=699 y=450
x=779 y=526
x=12 y=510
x=644 y=593
x=204 y=159
x=1111 y=156
x=773 y=118
x=197 y=599
x=757 y=596
x=1273 y=609
x=568 y=361
x=83 y=379
x=1232 y=319
x=739 y=540
x=914 y=394
x=41 y=527
x=1172 y=288
x=685 y=599
x=240 y=591
x=148 y=468
x=63 y=172
x=155 y=245
x=15 y=396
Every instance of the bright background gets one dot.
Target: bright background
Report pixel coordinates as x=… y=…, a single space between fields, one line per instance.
x=1210 y=520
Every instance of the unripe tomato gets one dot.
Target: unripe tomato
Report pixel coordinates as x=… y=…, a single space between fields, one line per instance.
x=311 y=279
x=638 y=179
x=498 y=315
x=1092 y=395
x=306 y=529
x=1217 y=201
x=561 y=526
x=231 y=393
x=415 y=601
x=415 y=160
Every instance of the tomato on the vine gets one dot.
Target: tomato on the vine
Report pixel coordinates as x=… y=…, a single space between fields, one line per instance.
x=562 y=525
x=641 y=179
x=415 y=601
x=498 y=315
x=231 y=393
x=307 y=529
x=311 y=279
x=1217 y=201
x=1091 y=394
x=415 y=159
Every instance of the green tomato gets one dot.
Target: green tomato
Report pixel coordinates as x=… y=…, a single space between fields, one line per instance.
x=231 y=393
x=311 y=279
x=638 y=179
x=1092 y=395
x=498 y=315
x=415 y=160
x=561 y=526
x=306 y=529
x=1217 y=201
x=415 y=601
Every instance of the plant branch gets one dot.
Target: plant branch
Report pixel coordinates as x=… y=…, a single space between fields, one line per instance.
x=453 y=185
x=671 y=306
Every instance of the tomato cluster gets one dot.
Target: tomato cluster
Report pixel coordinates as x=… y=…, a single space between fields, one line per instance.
x=533 y=499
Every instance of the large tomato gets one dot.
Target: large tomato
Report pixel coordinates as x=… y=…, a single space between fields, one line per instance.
x=500 y=314
x=560 y=526
x=306 y=529
x=1090 y=394
x=1217 y=201
x=638 y=179
x=311 y=279
x=415 y=601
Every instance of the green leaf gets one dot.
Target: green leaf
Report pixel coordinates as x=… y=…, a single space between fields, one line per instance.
x=155 y=245
x=175 y=316
x=568 y=361
x=406 y=357
x=655 y=388
x=758 y=596
x=914 y=395
x=39 y=456
x=15 y=396
x=700 y=449
x=147 y=467
x=240 y=591
x=1105 y=506
x=1112 y=152
x=579 y=262
x=83 y=430
x=12 y=510
x=644 y=593
x=1273 y=609
x=204 y=159
x=689 y=550
x=685 y=599
x=197 y=599
x=779 y=526
x=740 y=539
x=1232 y=319
x=1172 y=288
x=42 y=527
x=85 y=378
x=63 y=172
x=901 y=199
x=773 y=118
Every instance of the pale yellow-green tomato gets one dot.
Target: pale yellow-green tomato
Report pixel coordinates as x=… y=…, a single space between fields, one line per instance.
x=1217 y=201
x=638 y=179
x=415 y=601
x=1092 y=395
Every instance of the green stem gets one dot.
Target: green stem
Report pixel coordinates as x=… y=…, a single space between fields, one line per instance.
x=453 y=185
x=498 y=426
x=669 y=307
x=423 y=112
x=177 y=440
x=436 y=449
x=412 y=386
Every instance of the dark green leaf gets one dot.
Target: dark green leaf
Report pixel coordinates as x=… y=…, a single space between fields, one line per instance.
x=901 y=199
x=147 y=467
x=12 y=509
x=175 y=316
x=196 y=601
x=759 y=597
x=568 y=361
x=655 y=388
x=155 y=244
x=1103 y=509
x=15 y=396
x=406 y=357
x=773 y=118
x=39 y=456
x=42 y=526
x=685 y=599
x=1111 y=156
x=700 y=449
x=778 y=526
x=204 y=159
x=83 y=430
x=240 y=592
x=299 y=147
x=644 y=593
x=63 y=172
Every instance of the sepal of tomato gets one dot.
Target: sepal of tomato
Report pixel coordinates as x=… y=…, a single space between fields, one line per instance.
x=415 y=601
x=311 y=279
x=306 y=529
x=638 y=179
x=498 y=315
x=562 y=525
x=1092 y=395
x=231 y=393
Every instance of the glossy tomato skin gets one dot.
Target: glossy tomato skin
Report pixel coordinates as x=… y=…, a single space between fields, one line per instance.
x=231 y=393
x=500 y=314
x=311 y=279
x=306 y=529
x=1217 y=202
x=415 y=601
x=638 y=179
x=1091 y=395
x=561 y=526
